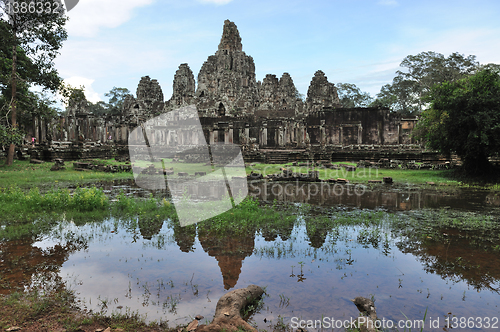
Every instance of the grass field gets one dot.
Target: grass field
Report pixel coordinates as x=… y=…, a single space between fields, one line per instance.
x=362 y=175
x=25 y=175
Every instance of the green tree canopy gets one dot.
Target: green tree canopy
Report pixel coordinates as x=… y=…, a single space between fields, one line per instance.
x=406 y=95
x=9 y=135
x=464 y=118
x=30 y=41
x=351 y=96
x=116 y=98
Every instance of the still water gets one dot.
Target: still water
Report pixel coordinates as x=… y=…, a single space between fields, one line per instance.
x=168 y=272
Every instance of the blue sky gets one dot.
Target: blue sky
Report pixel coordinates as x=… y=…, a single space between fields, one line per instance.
x=116 y=42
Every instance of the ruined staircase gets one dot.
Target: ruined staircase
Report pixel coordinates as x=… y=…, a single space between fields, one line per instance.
x=282 y=156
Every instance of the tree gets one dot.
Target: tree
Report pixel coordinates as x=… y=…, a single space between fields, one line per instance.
x=491 y=66
x=9 y=135
x=71 y=95
x=351 y=96
x=36 y=37
x=406 y=95
x=116 y=98
x=385 y=98
x=98 y=109
x=464 y=118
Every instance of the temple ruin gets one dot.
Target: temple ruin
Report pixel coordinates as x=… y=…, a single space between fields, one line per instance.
x=267 y=118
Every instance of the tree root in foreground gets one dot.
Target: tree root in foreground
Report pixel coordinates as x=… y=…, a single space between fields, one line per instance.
x=227 y=313
x=228 y=318
x=366 y=306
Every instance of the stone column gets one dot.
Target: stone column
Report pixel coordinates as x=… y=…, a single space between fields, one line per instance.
x=322 y=132
x=247 y=135
x=280 y=136
x=263 y=141
x=212 y=136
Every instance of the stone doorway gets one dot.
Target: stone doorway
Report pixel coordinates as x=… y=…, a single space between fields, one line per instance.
x=222 y=110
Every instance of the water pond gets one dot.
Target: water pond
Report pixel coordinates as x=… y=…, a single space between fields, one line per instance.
x=311 y=270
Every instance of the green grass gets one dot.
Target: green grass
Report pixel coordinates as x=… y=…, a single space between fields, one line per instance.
x=362 y=175
x=248 y=216
x=419 y=176
x=34 y=214
x=26 y=175
x=190 y=168
x=434 y=226
x=57 y=308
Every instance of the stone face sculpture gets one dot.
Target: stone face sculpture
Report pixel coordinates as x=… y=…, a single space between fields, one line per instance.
x=226 y=81
x=227 y=86
x=184 y=87
x=321 y=93
x=235 y=108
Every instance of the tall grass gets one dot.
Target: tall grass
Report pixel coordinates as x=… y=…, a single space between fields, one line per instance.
x=82 y=199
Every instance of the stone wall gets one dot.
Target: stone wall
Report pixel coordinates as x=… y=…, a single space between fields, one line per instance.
x=234 y=107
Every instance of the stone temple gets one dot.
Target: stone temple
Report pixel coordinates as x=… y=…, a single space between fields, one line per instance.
x=267 y=118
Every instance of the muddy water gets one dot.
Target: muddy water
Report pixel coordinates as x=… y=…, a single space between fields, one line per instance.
x=395 y=197
x=173 y=273
x=399 y=197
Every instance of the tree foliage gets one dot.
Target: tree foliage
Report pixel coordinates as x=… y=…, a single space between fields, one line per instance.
x=406 y=95
x=464 y=118
x=10 y=135
x=30 y=41
x=351 y=96
x=72 y=95
x=116 y=99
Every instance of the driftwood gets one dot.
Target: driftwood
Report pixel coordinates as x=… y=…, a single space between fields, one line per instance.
x=367 y=307
x=227 y=313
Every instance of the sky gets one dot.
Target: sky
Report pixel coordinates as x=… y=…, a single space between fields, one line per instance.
x=113 y=43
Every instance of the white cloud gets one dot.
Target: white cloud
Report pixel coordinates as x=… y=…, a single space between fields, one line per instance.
x=89 y=16
x=77 y=81
x=484 y=43
x=216 y=2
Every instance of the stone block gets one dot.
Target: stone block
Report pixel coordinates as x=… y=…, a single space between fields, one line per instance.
x=387 y=180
